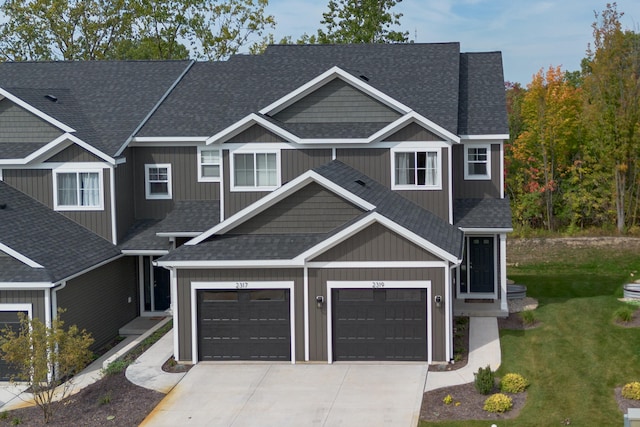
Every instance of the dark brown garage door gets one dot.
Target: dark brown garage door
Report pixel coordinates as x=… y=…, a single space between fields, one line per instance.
x=379 y=324
x=244 y=325
x=8 y=319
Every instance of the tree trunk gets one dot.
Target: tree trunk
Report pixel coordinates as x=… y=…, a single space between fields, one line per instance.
x=620 y=189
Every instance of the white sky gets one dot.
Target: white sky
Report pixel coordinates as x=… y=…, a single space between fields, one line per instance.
x=531 y=34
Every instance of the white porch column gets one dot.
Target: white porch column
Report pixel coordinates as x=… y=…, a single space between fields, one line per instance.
x=503 y=272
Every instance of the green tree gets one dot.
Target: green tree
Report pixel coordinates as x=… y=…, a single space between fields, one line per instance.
x=612 y=108
x=45 y=357
x=359 y=21
x=129 y=29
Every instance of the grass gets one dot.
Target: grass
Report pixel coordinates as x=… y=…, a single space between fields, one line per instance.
x=576 y=358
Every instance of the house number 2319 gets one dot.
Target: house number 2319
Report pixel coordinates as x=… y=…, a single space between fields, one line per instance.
x=377 y=285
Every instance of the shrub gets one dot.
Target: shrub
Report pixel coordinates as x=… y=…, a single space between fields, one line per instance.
x=498 y=403
x=631 y=391
x=448 y=400
x=623 y=314
x=484 y=380
x=513 y=383
x=528 y=317
x=116 y=367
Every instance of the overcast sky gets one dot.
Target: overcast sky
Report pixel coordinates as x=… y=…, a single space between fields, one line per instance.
x=531 y=34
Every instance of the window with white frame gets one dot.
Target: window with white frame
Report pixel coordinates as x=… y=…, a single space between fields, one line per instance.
x=157 y=181
x=255 y=171
x=208 y=164
x=477 y=159
x=417 y=169
x=78 y=190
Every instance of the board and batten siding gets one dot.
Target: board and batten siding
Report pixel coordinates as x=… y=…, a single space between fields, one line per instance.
x=476 y=189
x=185 y=277
x=184 y=179
x=20 y=126
x=312 y=209
x=318 y=316
x=102 y=300
x=125 y=212
x=337 y=102
x=38 y=183
x=33 y=297
x=376 y=243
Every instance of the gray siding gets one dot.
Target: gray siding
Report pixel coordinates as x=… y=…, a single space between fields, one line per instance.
x=19 y=125
x=33 y=297
x=74 y=153
x=318 y=317
x=237 y=200
x=297 y=162
x=184 y=179
x=312 y=209
x=413 y=132
x=125 y=213
x=376 y=163
x=468 y=189
x=38 y=183
x=376 y=243
x=185 y=277
x=98 y=301
x=335 y=102
x=256 y=133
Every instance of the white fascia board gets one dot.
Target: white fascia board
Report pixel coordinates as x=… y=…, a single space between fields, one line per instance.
x=364 y=223
x=171 y=139
x=144 y=252
x=276 y=196
x=21 y=286
x=63 y=139
x=260 y=263
x=246 y=123
x=485 y=137
x=35 y=111
x=324 y=78
x=432 y=126
x=179 y=234
x=20 y=257
x=486 y=230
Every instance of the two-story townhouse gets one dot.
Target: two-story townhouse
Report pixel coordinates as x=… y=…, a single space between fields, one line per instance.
x=311 y=203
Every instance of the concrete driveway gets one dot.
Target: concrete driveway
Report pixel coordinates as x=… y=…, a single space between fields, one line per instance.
x=281 y=395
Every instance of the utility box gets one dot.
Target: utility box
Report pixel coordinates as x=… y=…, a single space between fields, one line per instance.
x=632 y=417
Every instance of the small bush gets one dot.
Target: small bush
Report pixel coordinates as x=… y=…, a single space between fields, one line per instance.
x=631 y=391
x=116 y=367
x=16 y=421
x=528 y=317
x=105 y=399
x=498 y=403
x=623 y=314
x=448 y=400
x=513 y=383
x=484 y=380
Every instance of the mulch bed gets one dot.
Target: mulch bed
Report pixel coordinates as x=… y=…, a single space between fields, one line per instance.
x=460 y=347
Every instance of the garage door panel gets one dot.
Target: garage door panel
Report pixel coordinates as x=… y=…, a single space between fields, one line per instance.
x=379 y=324
x=248 y=325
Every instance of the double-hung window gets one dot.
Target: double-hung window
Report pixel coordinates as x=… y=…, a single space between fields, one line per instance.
x=477 y=159
x=208 y=164
x=255 y=171
x=157 y=181
x=78 y=190
x=419 y=169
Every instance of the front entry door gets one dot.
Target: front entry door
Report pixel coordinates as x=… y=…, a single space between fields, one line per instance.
x=481 y=265
x=161 y=289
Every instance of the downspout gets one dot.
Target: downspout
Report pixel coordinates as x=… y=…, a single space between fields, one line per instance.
x=54 y=300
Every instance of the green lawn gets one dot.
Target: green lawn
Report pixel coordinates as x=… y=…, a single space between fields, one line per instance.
x=578 y=356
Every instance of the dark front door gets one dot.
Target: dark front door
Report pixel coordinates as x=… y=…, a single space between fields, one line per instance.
x=161 y=289
x=481 y=265
x=244 y=325
x=379 y=324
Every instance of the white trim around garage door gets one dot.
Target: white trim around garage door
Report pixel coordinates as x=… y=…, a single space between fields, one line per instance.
x=378 y=284
x=198 y=286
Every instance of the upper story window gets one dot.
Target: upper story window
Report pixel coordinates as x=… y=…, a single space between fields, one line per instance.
x=78 y=190
x=157 y=179
x=208 y=164
x=477 y=160
x=255 y=171
x=417 y=169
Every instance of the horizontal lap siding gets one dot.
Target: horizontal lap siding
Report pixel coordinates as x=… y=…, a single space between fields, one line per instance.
x=318 y=317
x=74 y=153
x=256 y=133
x=98 y=301
x=376 y=243
x=472 y=189
x=19 y=125
x=413 y=132
x=35 y=298
x=312 y=209
x=185 y=277
x=184 y=179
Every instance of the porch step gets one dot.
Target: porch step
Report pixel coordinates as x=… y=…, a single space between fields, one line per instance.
x=139 y=325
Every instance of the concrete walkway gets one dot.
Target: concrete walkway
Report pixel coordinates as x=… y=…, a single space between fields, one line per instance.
x=484 y=349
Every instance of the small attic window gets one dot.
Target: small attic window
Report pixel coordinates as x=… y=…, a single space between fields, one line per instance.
x=51 y=98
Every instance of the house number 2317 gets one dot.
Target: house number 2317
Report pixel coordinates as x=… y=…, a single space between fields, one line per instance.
x=242 y=285
x=377 y=285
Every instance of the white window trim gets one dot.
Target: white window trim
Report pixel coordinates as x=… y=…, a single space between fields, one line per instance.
x=437 y=186
x=484 y=177
x=147 y=186
x=199 y=163
x=232 y=174
x=77 y=170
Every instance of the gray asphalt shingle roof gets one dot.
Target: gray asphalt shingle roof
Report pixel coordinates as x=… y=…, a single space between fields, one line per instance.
x=60 y=245
x=482 y=213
